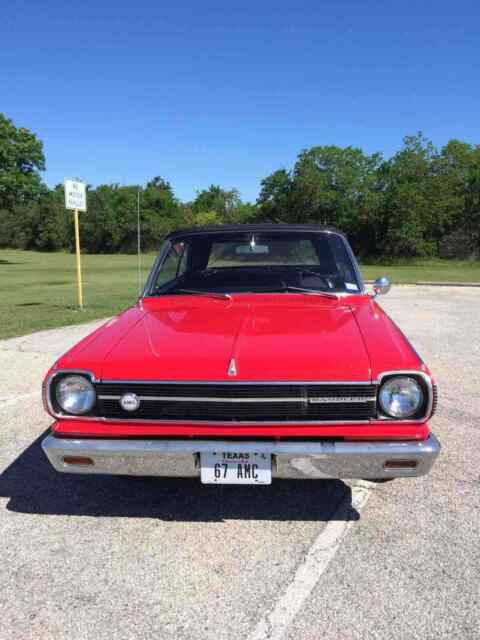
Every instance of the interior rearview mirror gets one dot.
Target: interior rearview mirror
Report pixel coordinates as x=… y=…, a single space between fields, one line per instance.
x=252 y=248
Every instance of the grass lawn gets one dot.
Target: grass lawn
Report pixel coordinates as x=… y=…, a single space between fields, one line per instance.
x=425 y=271
x=38 y=290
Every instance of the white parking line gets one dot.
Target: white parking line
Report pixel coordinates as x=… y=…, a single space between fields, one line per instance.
x=274 y=625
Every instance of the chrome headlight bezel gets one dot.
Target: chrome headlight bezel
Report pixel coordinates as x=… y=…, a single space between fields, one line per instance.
x=76 y=402
x=415 y=386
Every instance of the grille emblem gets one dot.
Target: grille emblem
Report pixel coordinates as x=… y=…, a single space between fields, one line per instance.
x=232 y=368
x=129 y=402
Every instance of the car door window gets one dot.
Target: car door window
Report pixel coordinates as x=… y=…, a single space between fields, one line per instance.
x=174 y=265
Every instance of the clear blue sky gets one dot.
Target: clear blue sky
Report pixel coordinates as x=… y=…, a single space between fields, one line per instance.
x=203 y=92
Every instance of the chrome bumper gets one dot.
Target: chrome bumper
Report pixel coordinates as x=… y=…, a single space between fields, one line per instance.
x=180 y=458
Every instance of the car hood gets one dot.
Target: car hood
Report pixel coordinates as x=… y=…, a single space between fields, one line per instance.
x=270 y=338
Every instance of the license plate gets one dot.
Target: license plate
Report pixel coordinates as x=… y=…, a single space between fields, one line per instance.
x=228 y=467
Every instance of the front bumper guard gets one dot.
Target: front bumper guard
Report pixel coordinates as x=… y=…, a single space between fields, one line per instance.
x=181 y=458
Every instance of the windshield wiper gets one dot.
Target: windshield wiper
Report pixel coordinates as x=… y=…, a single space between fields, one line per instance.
x=199 y=292
x=313 y=274
x=302 y=271
x=315 y=292
x=312 y=292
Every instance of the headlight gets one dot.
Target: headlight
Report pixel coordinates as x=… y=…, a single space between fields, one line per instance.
x=75 y=394
x=400 y=397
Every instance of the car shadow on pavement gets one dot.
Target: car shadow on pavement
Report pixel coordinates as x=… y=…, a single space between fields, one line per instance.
x=34 y=487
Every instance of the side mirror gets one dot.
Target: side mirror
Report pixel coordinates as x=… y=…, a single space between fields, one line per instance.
x=381 y=286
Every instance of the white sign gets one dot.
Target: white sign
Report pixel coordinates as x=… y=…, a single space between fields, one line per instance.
x=75 y=195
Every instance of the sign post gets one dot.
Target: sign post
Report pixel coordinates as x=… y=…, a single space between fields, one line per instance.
x=76 y=200
x=79 y=266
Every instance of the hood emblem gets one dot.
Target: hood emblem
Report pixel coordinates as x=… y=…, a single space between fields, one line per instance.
x=232 y=368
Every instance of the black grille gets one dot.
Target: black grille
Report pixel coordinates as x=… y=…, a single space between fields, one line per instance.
x=268 y=402
x=434 y=399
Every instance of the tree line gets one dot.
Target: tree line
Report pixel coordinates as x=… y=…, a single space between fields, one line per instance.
x=422 y=201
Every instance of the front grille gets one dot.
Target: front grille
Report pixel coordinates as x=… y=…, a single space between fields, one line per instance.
x=434 y=399
x=237 y=402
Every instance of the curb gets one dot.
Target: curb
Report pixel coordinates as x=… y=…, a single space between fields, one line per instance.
x=432 y=284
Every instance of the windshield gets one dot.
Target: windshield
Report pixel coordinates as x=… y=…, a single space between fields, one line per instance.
x=256 y=263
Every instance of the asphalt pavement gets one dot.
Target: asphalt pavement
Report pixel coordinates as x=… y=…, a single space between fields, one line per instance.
x=106 y=557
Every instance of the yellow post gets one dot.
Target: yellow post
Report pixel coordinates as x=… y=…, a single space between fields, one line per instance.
x=79 y=268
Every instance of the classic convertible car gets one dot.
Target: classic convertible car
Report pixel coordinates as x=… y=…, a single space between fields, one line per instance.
x=253 y=353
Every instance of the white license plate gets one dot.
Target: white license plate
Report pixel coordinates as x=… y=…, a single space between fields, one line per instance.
x=228 y=467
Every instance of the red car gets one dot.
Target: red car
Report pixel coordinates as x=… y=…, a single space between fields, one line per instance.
x=254 y=352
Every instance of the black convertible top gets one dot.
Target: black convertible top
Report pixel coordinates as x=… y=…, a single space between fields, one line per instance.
x=252 y=228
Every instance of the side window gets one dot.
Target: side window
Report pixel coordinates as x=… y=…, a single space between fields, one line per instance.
x=174 y=265
x=344 y=264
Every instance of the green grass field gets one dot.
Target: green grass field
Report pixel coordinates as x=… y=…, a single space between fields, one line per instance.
x=38 y=290
x=425 y=271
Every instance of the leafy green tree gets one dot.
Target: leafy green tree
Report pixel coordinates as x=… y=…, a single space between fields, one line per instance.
x=219 y=206
x=472 y=204
x=52 y=226
x=244 y=213
x=110 y=224
x=21 y=160
x=420 y=202
x=413 y=216
x=275 y=201
x=16 y=227
x=206 y=218
x=331 y=183
x=328 y=185
x=161 y=212
x=217 y=199
x=457 y=171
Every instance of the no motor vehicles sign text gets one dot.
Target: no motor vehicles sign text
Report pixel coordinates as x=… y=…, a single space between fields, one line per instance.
x=75 y=195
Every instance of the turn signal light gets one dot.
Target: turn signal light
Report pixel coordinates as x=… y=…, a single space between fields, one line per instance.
x=400 y=464
x=79 y=460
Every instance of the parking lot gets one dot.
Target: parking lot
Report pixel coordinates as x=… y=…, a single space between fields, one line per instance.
x=105 y=557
